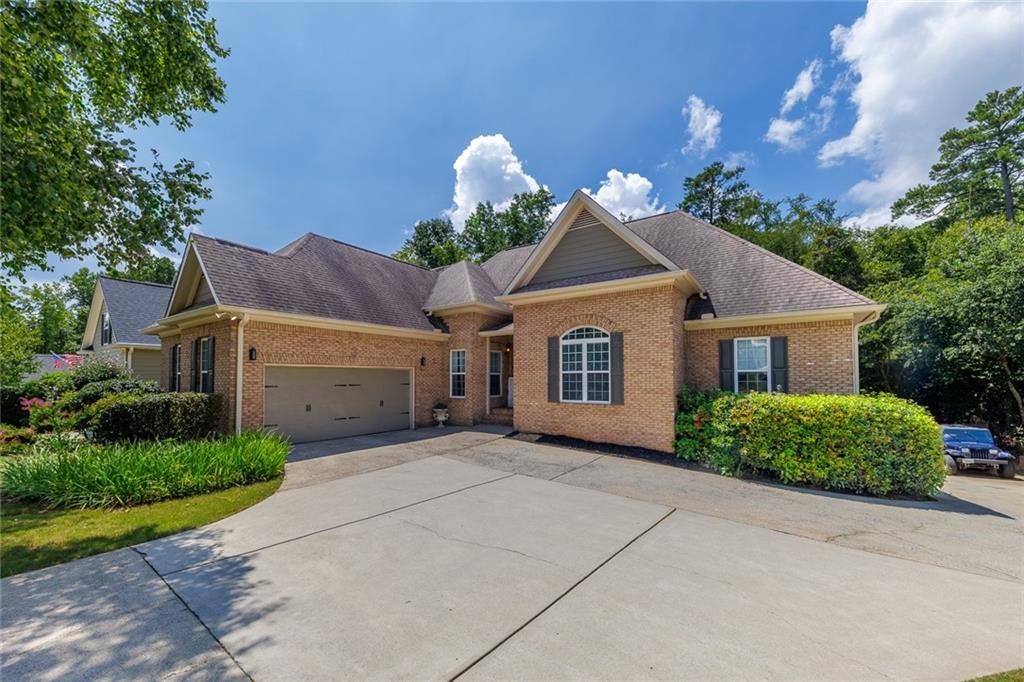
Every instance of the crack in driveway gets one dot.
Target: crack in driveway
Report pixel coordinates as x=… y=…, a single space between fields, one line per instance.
x=482 y=545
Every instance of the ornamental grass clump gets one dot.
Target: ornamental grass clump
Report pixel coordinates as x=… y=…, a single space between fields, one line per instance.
x=73 y=475
x=869 y=444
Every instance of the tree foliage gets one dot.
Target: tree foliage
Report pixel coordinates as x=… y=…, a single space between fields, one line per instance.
x=435 y=242
x=74 y=76
x=18 y=341
x=980 y=171
x=146 y=268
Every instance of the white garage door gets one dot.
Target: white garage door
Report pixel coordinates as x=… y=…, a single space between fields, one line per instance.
x=317 y=403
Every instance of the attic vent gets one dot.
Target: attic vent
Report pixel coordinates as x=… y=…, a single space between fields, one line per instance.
x=584 y=219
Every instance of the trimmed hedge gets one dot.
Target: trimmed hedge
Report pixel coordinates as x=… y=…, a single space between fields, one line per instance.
x=127 y=417
x=93 y=370
x=69 y=475
x=873 y=444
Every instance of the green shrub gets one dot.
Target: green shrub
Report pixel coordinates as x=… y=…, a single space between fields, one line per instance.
x=74 y=401
x=879 y=445
x=15 y=440
x=48 y=387
x=125 y=417
x=10 y=406
x=44 y=417
x=96 y=369
x=693 y=428
x=65 y=474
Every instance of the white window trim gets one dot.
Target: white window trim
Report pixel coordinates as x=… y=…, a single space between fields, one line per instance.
x=451 y=374
x=491 y=372
x=562 y=341
x=204 y=372
x=736 y=361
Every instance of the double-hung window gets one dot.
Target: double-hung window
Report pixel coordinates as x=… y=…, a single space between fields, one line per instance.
x=204 y=379
x=585 y=366
x=457 y=374
x=494 y=374
x=752 y=365
x=174 y=378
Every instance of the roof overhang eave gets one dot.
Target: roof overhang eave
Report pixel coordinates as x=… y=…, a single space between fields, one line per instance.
x=456 y=308
x=862 y=314
x=175 y=323
x=680 y=279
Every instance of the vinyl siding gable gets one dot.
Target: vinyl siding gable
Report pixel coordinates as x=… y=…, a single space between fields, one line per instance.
x=587 y=248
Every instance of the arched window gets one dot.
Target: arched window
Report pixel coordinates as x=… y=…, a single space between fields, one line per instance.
x=585 y=366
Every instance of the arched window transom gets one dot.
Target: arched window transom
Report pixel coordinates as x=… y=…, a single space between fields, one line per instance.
x=585 y=366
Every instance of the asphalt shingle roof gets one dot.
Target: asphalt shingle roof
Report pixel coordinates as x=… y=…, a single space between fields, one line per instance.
x=320 y=277
x=323 y=277
x=133 y=306
x=740 y=278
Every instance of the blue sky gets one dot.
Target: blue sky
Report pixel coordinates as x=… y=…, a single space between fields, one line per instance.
x=346 y=120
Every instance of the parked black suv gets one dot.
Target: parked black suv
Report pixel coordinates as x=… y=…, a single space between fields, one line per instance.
x=972 y=447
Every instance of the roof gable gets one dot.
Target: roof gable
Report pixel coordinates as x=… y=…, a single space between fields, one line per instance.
x=597 y=231
x=192 y=284
x=132 y=306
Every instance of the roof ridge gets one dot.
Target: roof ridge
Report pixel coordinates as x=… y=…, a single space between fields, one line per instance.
x=231 y=243
x=134 y=281
x=511 y=248
x=469 y=279
x=653 y=215
x=772 y=254
x=370 y=251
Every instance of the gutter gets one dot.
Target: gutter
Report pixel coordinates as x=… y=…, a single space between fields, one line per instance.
x=868 y=319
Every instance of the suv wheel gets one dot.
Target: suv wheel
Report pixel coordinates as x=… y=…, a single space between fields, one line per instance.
x=950 y=466
x=1007 y=470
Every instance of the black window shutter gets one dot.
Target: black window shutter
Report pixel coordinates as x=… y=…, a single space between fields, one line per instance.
x=213 y=364
x=552 y=369
x=726 y=376
x=195 y=364
x=617 y=371
x=780 y=364
x=170 y=372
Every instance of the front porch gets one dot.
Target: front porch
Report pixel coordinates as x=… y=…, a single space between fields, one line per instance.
x=500 y=376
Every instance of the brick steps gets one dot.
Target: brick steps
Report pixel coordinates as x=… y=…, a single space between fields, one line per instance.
x=500 y=415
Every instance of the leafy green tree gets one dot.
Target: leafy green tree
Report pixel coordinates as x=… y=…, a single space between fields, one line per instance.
x=18 y=341
x=147 y=268
x=484 y=233
x=525 y=221
x=79 y=287
x=980 y=171
x=44 y=307
x=834 y=252
x=448 y=253
x=74 y=76
x=428 y=235
x=720 y=196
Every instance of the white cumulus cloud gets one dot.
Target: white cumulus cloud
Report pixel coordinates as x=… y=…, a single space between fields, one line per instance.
x=786 y=133
x=805 y=83
x=622 y=194
x=487 y=170
x=704 y=126
x=917 y=69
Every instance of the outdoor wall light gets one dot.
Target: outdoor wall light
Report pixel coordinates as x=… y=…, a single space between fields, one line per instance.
x=423 y=361
x=252 y=352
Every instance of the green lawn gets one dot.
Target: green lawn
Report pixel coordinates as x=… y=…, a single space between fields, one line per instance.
x=1008 y=676
x=31 y=538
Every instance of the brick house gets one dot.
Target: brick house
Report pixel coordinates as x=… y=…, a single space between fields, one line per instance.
x=588 y=333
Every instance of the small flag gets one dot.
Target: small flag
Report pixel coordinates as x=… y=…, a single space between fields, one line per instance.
x=65 y=360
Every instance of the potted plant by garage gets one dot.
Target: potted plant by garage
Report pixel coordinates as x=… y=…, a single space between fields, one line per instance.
x=440 y=413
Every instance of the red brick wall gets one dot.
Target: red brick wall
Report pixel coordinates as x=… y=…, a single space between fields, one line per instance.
x=294 y=345
x=649 y=322
x=820 y=354
x=223 y=363
x=465 y=335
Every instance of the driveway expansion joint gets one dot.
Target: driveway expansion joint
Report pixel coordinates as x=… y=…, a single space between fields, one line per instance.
x=194 y=614
x=559 y=598
x=329 y=528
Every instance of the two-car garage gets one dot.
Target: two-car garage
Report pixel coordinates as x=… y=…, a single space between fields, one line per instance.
x=318 y=403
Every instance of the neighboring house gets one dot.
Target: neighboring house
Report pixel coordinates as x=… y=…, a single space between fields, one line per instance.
x=47 y=363
x=587 y=334
x=120 y=310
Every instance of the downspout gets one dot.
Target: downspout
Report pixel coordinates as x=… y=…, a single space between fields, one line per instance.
x=856 y=349
x=239 y=368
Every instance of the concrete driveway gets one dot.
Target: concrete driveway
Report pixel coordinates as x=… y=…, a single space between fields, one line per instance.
x=459 y=553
